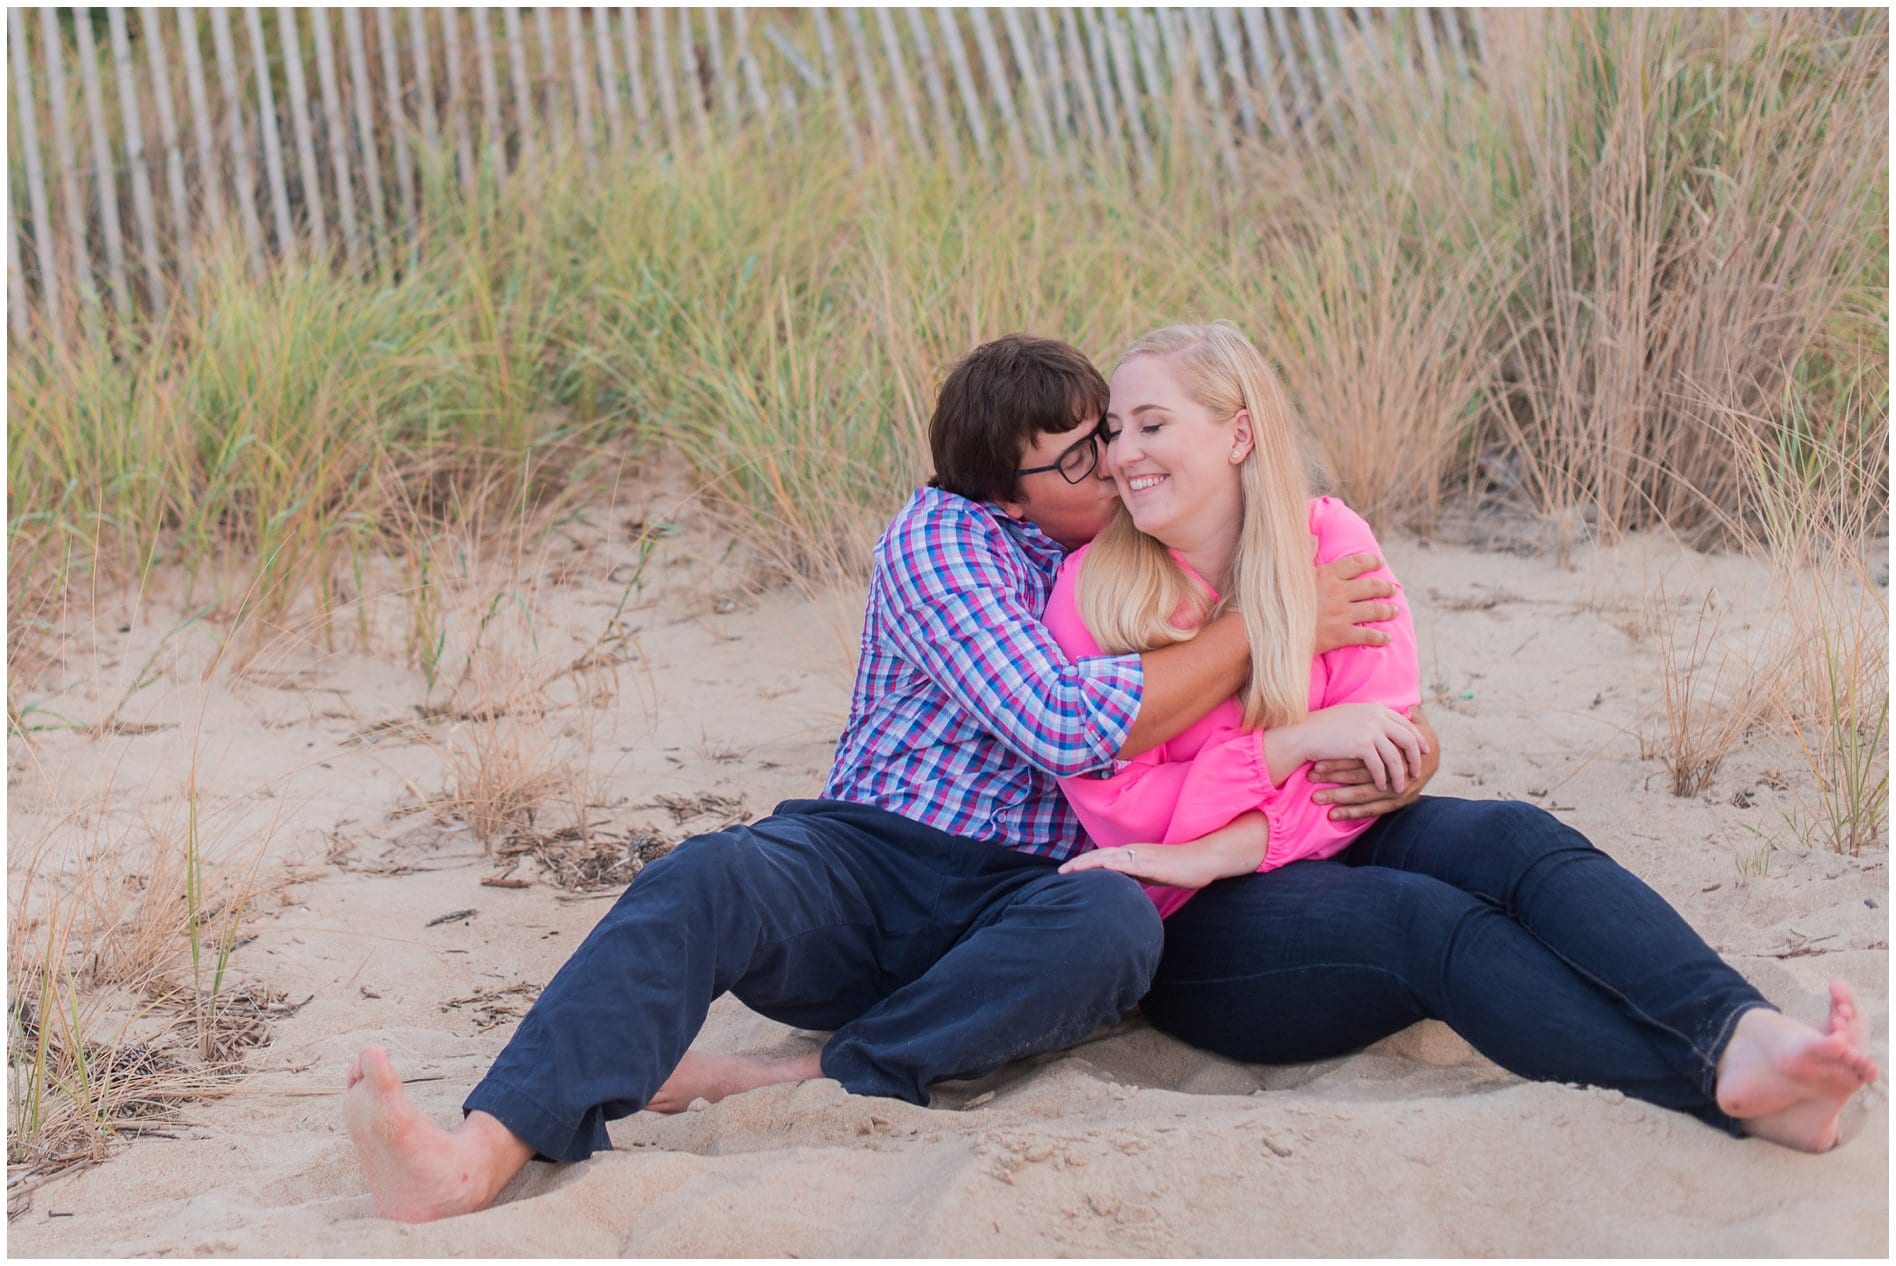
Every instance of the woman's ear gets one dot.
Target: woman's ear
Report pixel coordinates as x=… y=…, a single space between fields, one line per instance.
x=1240 y=436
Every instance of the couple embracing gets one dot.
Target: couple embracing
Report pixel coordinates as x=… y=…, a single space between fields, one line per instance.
x=1135 y=725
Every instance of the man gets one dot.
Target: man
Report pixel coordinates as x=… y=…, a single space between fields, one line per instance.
x=917 y=911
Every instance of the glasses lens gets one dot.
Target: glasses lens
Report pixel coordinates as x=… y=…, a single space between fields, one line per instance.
x=1078 y=461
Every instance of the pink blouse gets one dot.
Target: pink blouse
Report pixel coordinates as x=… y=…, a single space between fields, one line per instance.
x=1215 y=771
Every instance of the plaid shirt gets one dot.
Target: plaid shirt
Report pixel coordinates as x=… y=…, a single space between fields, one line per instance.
x=965 y=709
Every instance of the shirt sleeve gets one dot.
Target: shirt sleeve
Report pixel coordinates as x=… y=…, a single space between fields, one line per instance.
x=1389 y=675
x=961 y=616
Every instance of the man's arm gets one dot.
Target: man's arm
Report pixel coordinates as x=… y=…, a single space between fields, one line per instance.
x=959 y=614
x=1355 y=796
x=1184 y=682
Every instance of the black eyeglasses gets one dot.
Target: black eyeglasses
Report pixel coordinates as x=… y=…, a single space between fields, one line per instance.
x=1076 y=461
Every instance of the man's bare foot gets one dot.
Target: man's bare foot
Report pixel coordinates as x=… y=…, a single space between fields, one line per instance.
x=703 y=1075
x=1786 y=1081
x=416 y=1170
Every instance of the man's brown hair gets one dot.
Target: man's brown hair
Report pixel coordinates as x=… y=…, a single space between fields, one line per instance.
x=996 y=399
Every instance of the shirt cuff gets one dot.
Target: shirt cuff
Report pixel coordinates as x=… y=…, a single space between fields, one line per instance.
x=1110 y=692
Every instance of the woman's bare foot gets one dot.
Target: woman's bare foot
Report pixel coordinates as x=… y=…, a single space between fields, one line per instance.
x=703 y=1075
x=1786 y=1081
x=416 y=1170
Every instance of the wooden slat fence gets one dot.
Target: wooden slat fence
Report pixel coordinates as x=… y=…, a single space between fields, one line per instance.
x=141 y=134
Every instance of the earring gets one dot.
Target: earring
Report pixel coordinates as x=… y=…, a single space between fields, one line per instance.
x=1237 y=455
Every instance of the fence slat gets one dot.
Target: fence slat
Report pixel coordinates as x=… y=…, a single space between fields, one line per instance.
x=1425 y=35
x=16 y=274
x=1313 y=53
x=871 y=87
x=1062 y=121
x=1287 y=59
x=105 y=181
x=151 y=31
x=1198 y=30
x=691 y=78
x=210 y=190
x=135 y=160
x=753 y=74
x=494 y=141
x=1032 y=85
x=397 y=119
x=424 y=75
x=838 y=85
x=1340 y=38
x=1103 y=83
x=1366 y=31
x=522 y=84
x=1401 y=56
x=634 y=75
x=456 y=100
x=267 y=127
x=68 y=162
x=582 y=76
x=964 y=83
x=932 y=84
x=36 y=201
x=551 y=109
x=1451 y=26
x=298 y=89
x=1144 y=38
x=899 y=78
x=1128 y=91
x=338 y=136
x=243 y=180
x=662 y=78
x=1079 y=74
x=1262 y=60
x=721 y=71
x=608 y=78
x=999 y=87
x=362 y=93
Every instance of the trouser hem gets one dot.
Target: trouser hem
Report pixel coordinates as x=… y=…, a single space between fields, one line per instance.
x=550 y=1137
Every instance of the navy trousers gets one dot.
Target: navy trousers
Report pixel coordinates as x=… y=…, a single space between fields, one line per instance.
x=1494 y=917
x=930 y=956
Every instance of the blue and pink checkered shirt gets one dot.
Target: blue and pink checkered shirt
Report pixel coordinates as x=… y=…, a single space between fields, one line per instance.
x=965 y=710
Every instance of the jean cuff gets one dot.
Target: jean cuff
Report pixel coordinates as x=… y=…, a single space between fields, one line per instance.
x=529 y=1121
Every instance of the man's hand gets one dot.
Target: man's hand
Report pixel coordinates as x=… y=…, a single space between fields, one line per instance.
x=1347 y=600
x=1355 y=794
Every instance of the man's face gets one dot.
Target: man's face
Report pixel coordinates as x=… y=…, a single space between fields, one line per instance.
x=1069 y=512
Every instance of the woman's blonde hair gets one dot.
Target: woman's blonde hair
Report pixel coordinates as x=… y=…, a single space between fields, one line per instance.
x=1132 y=593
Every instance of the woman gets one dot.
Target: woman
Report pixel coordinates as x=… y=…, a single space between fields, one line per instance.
x=1494 y=917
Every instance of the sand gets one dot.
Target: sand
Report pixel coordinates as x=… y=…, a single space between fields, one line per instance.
x=1541 y=680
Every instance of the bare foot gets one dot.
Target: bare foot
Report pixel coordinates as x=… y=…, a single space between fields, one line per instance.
x=416 y=1170
x=1786 y=1081
x=703 y=1075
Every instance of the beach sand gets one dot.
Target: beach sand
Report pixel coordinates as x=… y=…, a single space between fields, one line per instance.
x=727 y=692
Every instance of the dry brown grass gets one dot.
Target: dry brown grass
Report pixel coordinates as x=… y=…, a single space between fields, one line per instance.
x=1715 y=693
x=119 y=1006
x=1707 y=211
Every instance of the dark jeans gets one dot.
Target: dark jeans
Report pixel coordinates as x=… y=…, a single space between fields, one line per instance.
x=1493 y=917
x=931 y=957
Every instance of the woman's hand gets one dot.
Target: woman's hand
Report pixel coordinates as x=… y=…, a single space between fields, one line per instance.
x=1389 y=745
x=1237 y=849
x=1352 y=795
